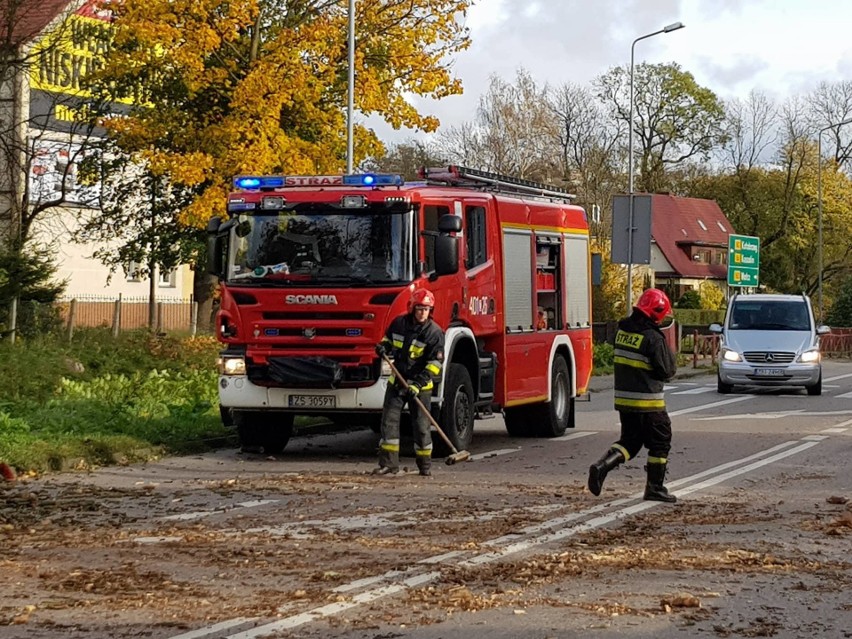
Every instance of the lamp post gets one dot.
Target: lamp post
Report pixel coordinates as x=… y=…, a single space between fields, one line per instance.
x=667 y=29
x=819 y=206
x=351 y=86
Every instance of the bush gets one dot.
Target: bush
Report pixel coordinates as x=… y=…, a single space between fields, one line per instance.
x=690 y=299
x=102 y=400
x=840 y=313
x=604 y=359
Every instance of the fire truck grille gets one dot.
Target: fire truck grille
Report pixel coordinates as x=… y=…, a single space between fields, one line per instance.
x=306 y=316
x=311 y=332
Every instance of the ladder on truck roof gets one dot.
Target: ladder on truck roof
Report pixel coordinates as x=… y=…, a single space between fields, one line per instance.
x=463 y=176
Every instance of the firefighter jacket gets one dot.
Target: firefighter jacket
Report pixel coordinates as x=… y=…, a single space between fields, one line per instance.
x=643 y=363
x=417 y=350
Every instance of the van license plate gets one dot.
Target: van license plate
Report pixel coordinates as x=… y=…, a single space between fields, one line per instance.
x=769 y=372
x=312 y=401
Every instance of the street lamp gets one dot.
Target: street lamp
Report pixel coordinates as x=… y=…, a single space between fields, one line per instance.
x=667 y=29
x=819 y=205
x=351 y=90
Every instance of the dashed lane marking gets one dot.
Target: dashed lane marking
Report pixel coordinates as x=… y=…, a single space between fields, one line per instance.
x=199 y=514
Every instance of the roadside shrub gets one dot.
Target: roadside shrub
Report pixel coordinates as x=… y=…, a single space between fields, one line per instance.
x=690 y=299
x=604 y=358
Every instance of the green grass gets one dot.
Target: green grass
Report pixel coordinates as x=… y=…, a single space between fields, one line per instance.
x=102 y=400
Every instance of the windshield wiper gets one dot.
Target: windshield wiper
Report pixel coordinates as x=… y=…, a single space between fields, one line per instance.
x=352 y=279
x=263 y=271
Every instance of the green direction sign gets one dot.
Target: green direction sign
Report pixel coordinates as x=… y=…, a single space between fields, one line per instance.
x=743 y=260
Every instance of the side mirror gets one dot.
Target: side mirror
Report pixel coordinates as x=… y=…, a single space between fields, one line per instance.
x=215 y=247
x=823 y=330
x=449 y=224
x=715 y=328
x=446 y=255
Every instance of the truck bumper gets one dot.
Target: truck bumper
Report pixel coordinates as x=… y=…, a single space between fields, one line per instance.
x=236 y=391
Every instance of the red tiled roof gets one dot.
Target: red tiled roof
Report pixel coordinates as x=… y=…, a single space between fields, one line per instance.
x=20 y=25
x=676 y=224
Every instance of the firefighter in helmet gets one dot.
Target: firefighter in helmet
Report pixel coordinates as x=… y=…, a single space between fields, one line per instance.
x=643 y=363
x=416 y=343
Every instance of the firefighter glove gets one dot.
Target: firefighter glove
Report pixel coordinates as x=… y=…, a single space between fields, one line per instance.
x=381 y=349
x=411 y=392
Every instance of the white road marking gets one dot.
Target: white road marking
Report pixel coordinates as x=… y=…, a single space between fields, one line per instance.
x=844 y=396
x=620 y=508
x=209 y=630
x=207 y=513
x=835 y=378
x=575 y=435
x=724 y=402
x=494 y=453
x=696 y=391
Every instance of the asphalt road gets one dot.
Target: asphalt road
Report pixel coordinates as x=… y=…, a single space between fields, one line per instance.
x=510 y=544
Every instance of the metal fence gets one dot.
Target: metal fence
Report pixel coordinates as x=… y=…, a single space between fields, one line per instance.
x=128 y=313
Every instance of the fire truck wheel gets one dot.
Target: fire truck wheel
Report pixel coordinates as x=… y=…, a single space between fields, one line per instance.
x=552 y=417
x=518 y=422
x=267 y=429
x=457 y=410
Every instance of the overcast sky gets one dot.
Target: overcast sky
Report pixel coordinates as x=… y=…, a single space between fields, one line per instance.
x=779 y=47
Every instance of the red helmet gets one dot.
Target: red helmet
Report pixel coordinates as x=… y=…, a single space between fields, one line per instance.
x=421 y=297
x=655 y=304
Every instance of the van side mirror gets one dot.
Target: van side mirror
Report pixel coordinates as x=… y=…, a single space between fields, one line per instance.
x=715 y=328
x=823 y=330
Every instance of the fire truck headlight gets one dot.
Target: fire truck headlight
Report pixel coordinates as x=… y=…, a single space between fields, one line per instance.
x=232 y=366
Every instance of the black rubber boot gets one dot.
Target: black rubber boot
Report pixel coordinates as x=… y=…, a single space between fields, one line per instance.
x=599 y=470
x=654 y=489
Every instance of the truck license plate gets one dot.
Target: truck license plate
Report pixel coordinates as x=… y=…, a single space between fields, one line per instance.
x=312 y=401
x=769 y=372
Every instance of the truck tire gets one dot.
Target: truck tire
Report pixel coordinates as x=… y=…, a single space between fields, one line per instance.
x=545 y=419
x=269 y=430
x=518 y=421
x=457 y=412
x=554 y=417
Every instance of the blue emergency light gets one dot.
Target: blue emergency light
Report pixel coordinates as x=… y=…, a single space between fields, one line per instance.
x=259 y=182
x=373 y=179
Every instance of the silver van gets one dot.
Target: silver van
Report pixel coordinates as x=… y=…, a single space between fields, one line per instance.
x=769 y=340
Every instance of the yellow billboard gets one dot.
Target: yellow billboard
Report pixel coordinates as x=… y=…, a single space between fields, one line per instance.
x=71 y=51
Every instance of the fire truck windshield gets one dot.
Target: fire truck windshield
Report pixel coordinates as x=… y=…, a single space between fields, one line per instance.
x=326 y=247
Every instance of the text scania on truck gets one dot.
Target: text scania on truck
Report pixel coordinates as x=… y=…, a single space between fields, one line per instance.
x=313 y=268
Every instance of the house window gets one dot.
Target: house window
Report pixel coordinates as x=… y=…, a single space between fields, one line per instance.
x=702 y=256
x=168 y=279
x=720 y=257
x=133 y=271
x=701 y=224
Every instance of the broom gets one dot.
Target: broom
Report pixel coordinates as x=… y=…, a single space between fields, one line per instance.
x=457 y=456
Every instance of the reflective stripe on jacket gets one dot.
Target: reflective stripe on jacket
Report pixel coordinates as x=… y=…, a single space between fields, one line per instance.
x=643 y=363
x=417 y=350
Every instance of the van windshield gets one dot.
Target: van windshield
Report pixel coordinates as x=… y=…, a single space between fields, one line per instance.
x=770 y=316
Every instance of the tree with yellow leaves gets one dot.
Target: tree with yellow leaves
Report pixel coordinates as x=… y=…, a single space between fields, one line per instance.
x=230 y=87
x=260 y=86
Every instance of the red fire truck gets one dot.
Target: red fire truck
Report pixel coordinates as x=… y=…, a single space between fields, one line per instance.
x=314 y=268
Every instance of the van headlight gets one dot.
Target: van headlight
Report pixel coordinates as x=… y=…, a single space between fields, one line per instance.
x=810 y=357
x=730 y=355
x=231 y=365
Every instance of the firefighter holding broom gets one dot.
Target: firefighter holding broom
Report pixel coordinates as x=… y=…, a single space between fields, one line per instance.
x=416 y=343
